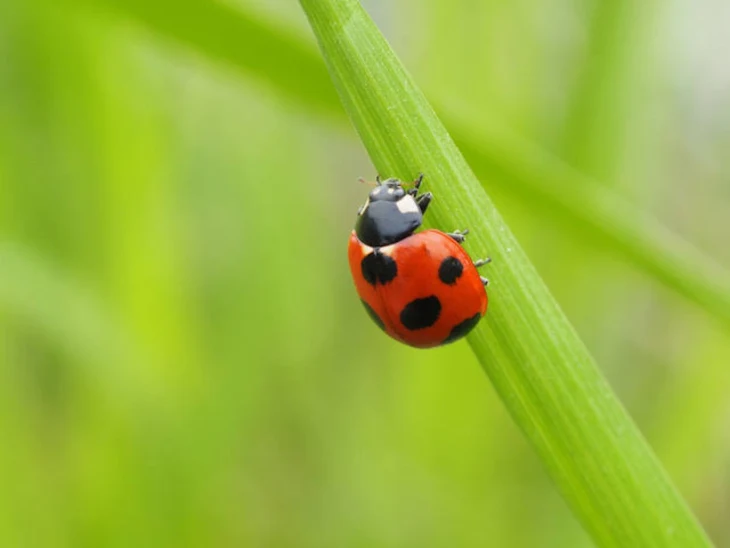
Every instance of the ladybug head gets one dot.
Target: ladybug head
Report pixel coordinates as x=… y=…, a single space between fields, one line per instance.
x=390 y=190
x=389 y=215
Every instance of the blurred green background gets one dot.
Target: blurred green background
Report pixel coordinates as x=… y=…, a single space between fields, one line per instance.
x=183 y=358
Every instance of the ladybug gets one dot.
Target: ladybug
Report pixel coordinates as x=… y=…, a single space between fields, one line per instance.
x=420 y=288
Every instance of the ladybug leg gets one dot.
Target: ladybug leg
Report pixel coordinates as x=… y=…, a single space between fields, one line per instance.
x=458 y=235
x=423 y=200
x=416 y=185
x=418 y=181
x=377 y=179
x=482 y=262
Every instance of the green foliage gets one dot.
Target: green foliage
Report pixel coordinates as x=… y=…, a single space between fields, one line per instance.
x=183 y=360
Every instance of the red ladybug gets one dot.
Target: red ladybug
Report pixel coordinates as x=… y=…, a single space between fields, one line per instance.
x=421 y=289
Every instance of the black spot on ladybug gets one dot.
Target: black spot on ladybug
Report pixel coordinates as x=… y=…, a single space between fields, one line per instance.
x=373 y=315
x=462 y=328
x=421 y=313
x=450 y=270
x=378 y=267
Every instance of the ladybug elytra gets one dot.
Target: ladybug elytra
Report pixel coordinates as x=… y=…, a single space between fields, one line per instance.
x=420 y=288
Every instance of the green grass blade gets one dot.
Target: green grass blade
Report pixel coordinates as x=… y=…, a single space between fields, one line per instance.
x=510 y=164
x=541 y=369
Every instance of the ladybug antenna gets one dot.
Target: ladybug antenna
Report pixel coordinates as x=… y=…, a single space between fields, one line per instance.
x=370 y=183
